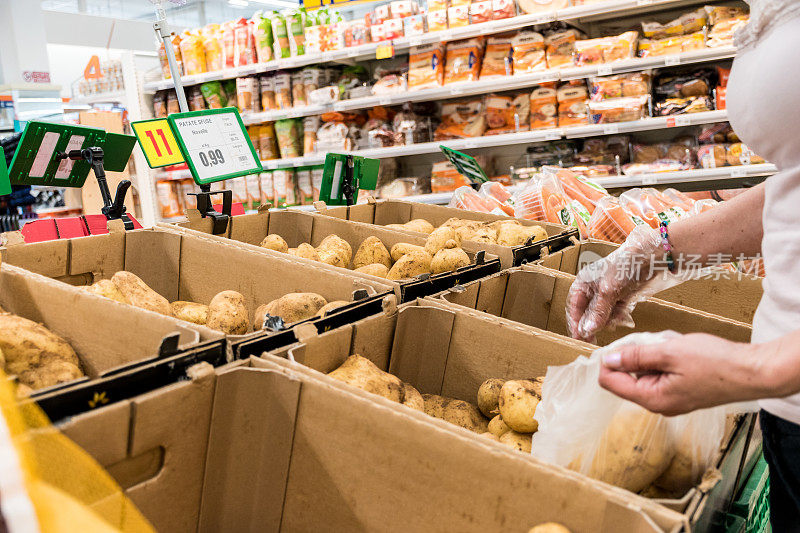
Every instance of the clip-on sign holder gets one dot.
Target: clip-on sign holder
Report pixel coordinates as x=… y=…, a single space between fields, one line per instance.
x=344 y=175
x=466 y=165
x=204 y=205
x=112 y=209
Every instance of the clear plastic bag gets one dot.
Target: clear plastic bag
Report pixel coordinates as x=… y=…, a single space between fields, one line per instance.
x=543 y=199
x=611 y=222
x=590 y=430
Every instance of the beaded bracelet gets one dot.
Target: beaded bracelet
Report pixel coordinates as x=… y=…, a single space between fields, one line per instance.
x=666 y=245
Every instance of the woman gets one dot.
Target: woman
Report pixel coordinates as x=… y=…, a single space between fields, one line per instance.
x=697 y=371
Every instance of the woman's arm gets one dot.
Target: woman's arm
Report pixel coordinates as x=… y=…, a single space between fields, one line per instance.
x=696 y=371
x=732 y=228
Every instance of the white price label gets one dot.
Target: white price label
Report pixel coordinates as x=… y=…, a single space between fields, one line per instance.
x=682 y=121
x=470 y=144
x=552 y=136
x=673 y=60
x=455 y=91
x=352 y=53
x=339 y=106
x=446 y=36
x=649 y=180
x=604 y=70
x=327 y=56
x=415 y=42
x=385 y=100
x=610 y=129
x=545 y=18
x=644 y=2
x=216 y=144
x=738 y=173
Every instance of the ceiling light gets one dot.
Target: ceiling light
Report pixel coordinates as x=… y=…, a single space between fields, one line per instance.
x=238 y=3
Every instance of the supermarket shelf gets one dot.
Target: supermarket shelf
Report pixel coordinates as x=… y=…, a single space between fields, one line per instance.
x=645 y=124
x=278 y=114
x=688 y=176
x=610 y=9
x=111 y=98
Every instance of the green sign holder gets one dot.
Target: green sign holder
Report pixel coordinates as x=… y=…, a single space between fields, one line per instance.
x=343 y=175
x=62 y=155
x=466 y=165
x=5 y=184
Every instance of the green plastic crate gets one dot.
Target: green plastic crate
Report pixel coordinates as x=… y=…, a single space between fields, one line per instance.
x=750 y=512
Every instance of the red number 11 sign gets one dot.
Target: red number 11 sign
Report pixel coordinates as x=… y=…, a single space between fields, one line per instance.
x=158 y=142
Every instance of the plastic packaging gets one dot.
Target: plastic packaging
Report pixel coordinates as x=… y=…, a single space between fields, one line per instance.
x=299 y=97
x=498 y=198
x=467 y=198
x=619 y=86
x=264 y=41
x=672 y=45
x=480 y=11
x=581 y=189
x=215 y=59
x=572 y=105
x=426 y=66
x=460 y=119
x=610 y=221
x=498 y=58
x=458 y=16
x=529 y=54
x=503 y=116
x=193 y=53
x=463 y=60
x=502 y=9
x=544 y=108
x=618 y=110
x=289 y=135
x=280 y=37
x=588 y=429
x=543 y=199
x=244 y=43
x=248 y=97
x=560 y=47
x=283 y=90
x=606 y=49
x=214 y=95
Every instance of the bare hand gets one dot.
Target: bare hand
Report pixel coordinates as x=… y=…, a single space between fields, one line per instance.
x=689 y=372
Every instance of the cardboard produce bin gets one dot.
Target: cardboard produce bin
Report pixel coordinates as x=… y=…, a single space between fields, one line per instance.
x=267 y=445
x=187 y=267
x=383 y=212
x=448 y=350
x=723 y=293
x=298 y=227
x=537 y=296
x=108 y=337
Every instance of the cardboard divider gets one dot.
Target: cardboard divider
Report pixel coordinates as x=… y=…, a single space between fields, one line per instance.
x=107 y=336
x=383 y=212
x=298 y=227
x=188 y=267
x=537 y=296
x=271 y=445
x=729 y=294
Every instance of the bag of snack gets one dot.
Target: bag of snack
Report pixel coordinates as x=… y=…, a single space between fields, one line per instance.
x=268 y=142
x=480 y=11
x=214 y=95
x=498 y=58
x=267 y=188
x=463 y=60
x=304 y=188
x=285 y=187
x=316 y=180
x=248 y=98
x=544 y=107
x=426 y=66
x=310 y=127
x=262 y=34
x=289 y=135
x=162 y=57
x=283 y=90
x=193 y=53
x=215 y=59
x=295 y=28
x=437 y=20
x=280 y=37
x=298 y=89
x=529 y=53
x=245 y=44
x=168 y=198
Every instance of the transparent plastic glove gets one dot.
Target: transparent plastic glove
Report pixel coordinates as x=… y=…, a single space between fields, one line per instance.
x=605 y=292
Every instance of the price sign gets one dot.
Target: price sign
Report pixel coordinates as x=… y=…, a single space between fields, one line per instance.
x=5 y=184
x=215 y=144
x=384 y=51
x=157 y=142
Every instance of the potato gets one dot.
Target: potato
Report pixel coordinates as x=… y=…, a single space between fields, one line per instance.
x=190 y=312
x=549 y=527
x=401 y=248
x=2 y=357
x=410 y=265
x=107 y=289
x=370 y=252
x=374 y=270
x=396 y=226
x=306 y=251
x=485 y=235
x=227 y=313
x=489 y=395
x=448 y=260
x=23 y=391
x=293 y=307
x=686 y=468
x=456 y=223
x=634 y=451
x=139 y=294
x=360 y=372
x=275 y=242
x=419 y=224
x=517 y=404
x=439 y=239
x=456 y=412
x=517 y=235
x=519 y=441
x=50 y=374
x=465 y=233
x=497 y=426
x=327 y=308
x=490 y=436
x=335 y=245
x=412 y=398
x=28 y=346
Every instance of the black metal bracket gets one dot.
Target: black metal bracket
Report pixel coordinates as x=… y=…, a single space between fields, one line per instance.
x=348 y=185
x=112 y=209
x=206 y=209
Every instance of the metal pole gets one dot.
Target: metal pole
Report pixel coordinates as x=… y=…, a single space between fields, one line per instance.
x=162 y=31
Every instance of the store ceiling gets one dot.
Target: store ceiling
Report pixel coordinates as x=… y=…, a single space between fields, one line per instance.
x=193 y=14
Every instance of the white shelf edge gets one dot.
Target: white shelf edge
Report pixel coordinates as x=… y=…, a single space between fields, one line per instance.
x=688 y=176
x=112 y=97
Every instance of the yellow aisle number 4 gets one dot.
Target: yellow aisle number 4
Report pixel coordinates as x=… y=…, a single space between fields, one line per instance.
x=158 y=142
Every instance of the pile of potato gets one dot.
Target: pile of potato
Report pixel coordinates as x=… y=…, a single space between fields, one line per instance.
x=37 y=356
x=502 y=232
x=509 y=404
x=442 y=253
x=226 y=312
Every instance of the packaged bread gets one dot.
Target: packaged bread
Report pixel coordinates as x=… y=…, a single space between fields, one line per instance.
x=426 y=66
x=560 y=47
x=721 y=33
x=501 y=115
x=572 y=100
x=310 y=127
x=268 y=142
x=543 y=107
x=460 y=119
x=503 y=9
x=497 y=59
x=717 y=14
x=687 y=23
x=672 y=45
x=606 y=49
x=529 y=52
x=620 y=85
x=305 y=192
x=437 y=20
x=414 y=25
x=247 y=94
x=458 y=16
x=283 y=90
x=712 y=156
x=283 y=182
x=537 y=6
x=617 y=110
x=298 y=89
x=480 y=11
x=463 y=60
x=267 y=86
x=741 y=154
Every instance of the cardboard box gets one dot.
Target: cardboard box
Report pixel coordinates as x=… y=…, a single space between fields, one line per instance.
x=383 y=212
x=267 y=445
x=185 y=267
x=298 y=227
x=729 y=294
x=107 y=336
x=449 y=351
x=537 y=296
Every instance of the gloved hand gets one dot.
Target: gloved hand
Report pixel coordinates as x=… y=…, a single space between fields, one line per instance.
x=605 y=292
